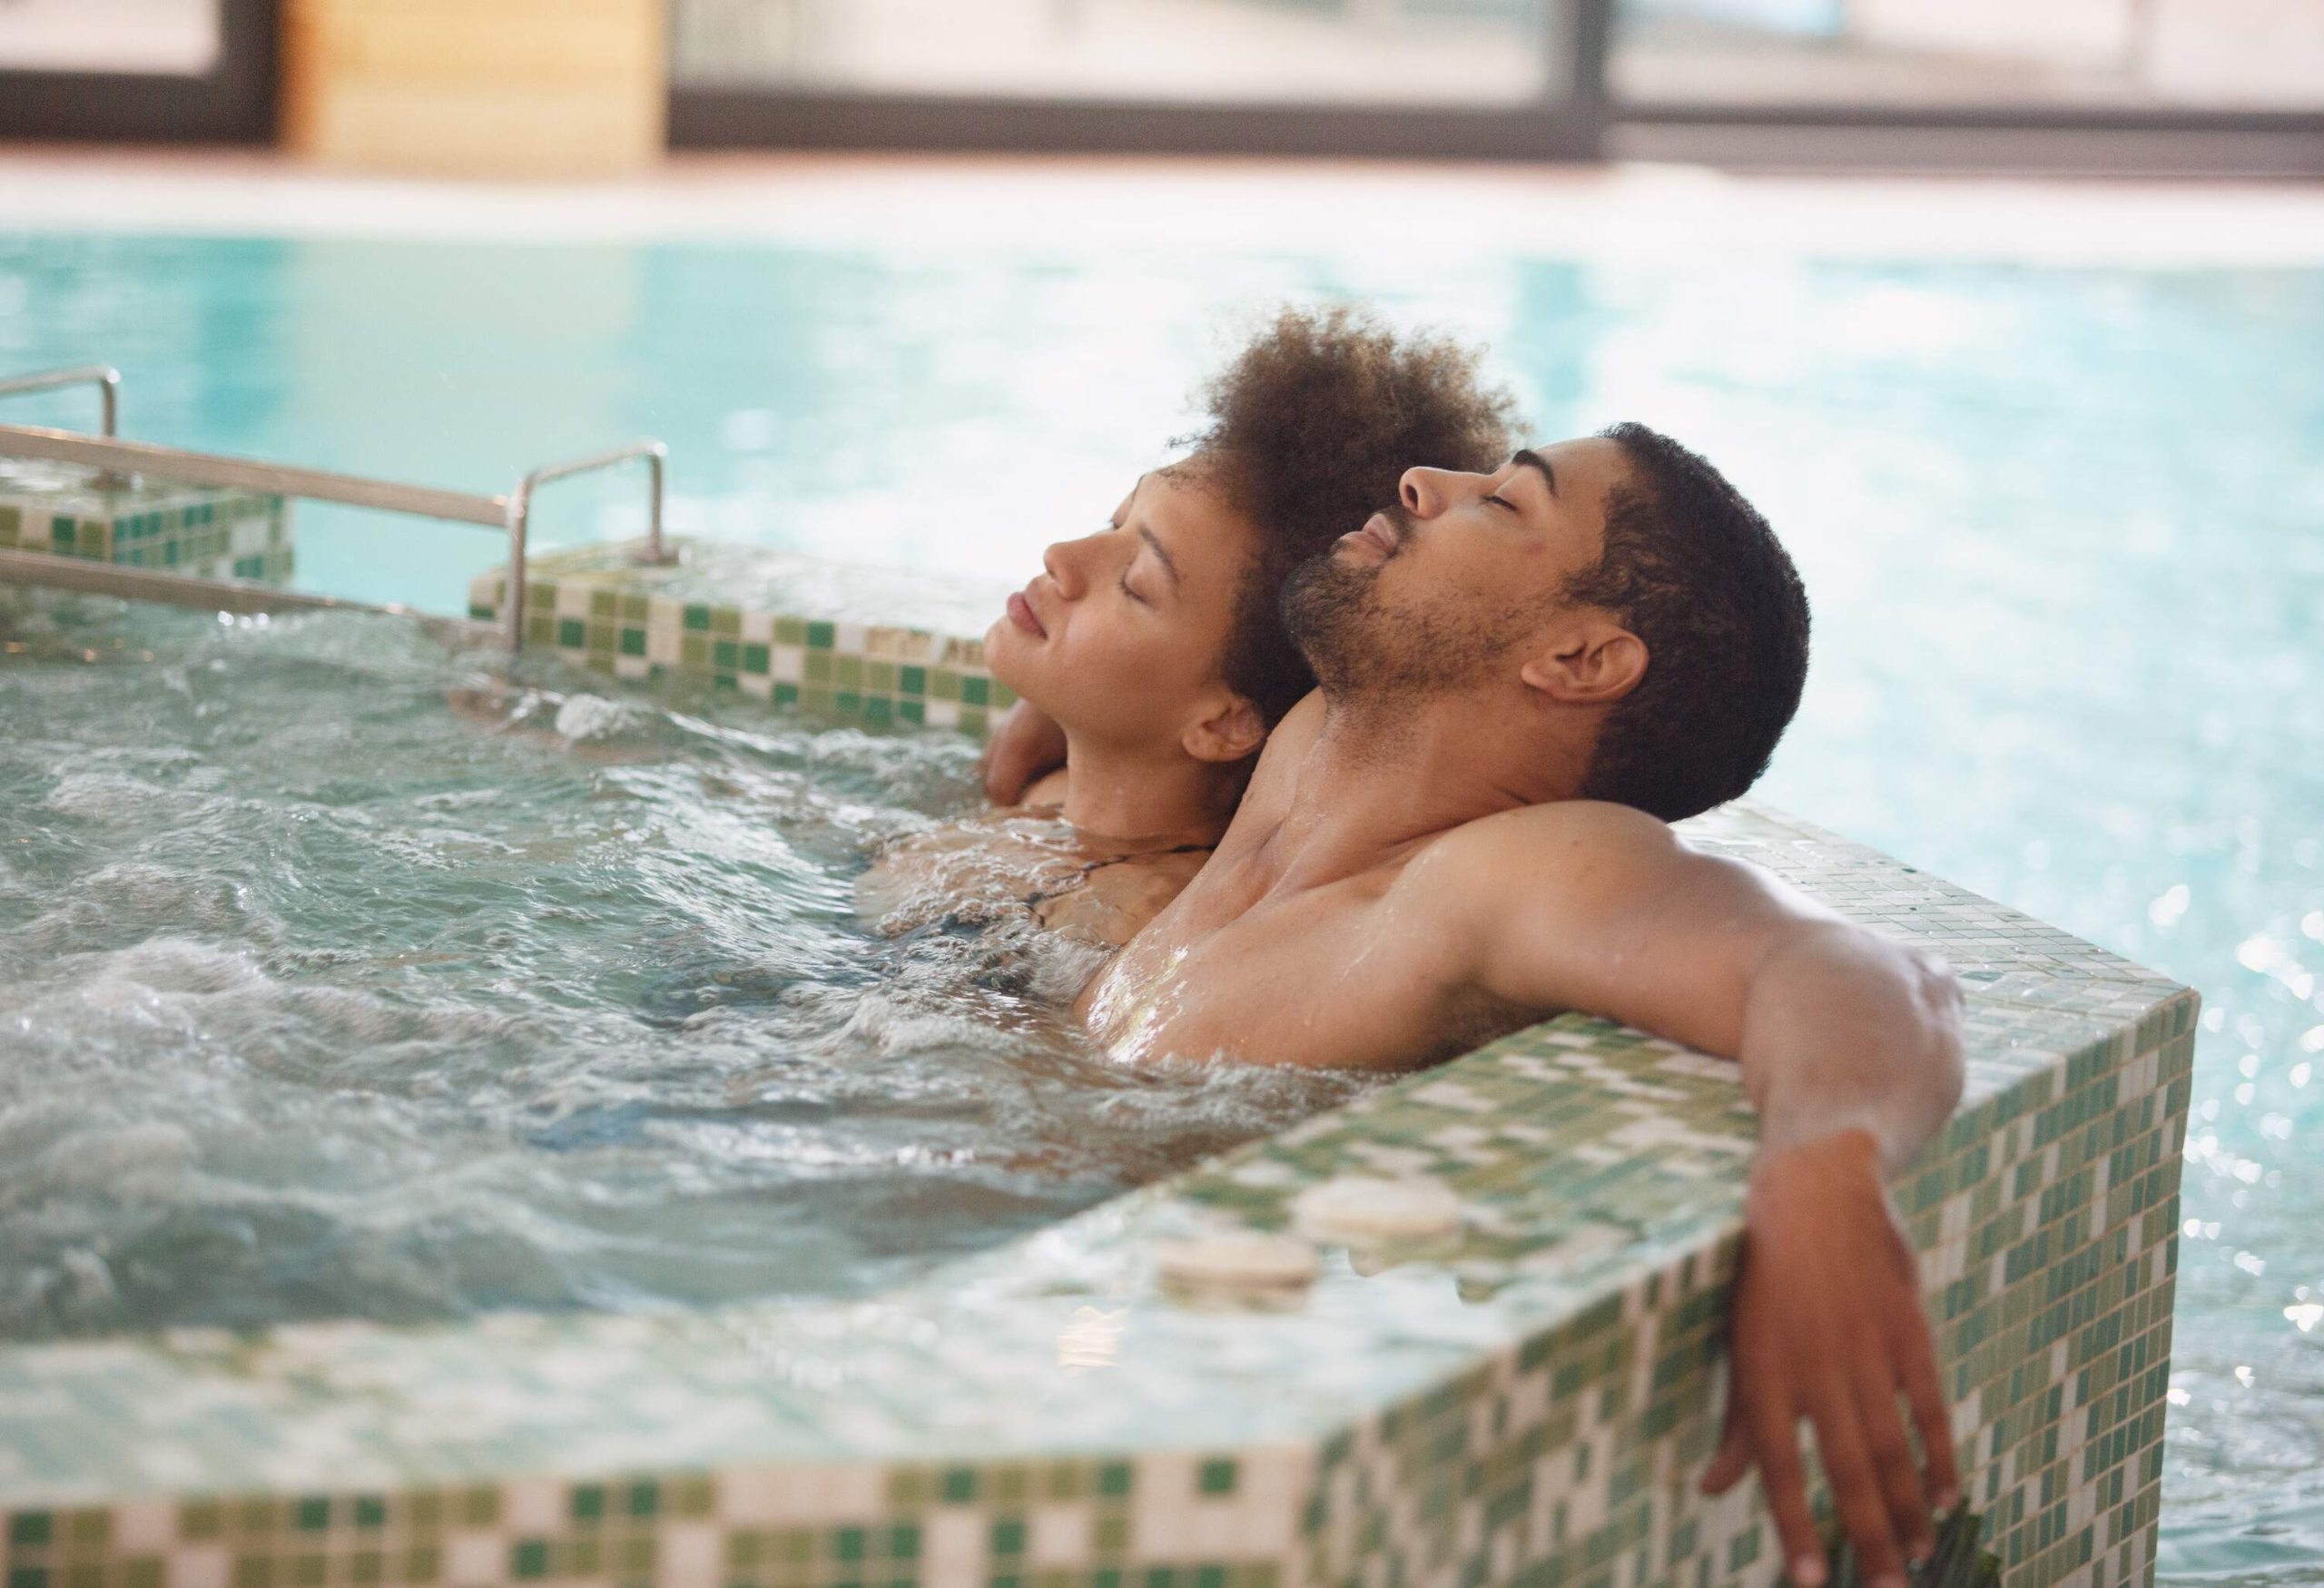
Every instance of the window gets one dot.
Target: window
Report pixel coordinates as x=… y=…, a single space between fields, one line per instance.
x=177 y=38
x=1340 y=77
x=2093 y=55
x=1456 y=53
x=158 y=69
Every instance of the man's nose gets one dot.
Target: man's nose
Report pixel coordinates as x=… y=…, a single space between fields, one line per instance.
x=1426 y=492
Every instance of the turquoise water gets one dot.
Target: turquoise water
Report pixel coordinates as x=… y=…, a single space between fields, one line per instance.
x=2064 y=530
x=337 y=979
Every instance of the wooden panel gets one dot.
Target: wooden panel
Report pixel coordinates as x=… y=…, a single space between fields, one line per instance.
x=476 y=87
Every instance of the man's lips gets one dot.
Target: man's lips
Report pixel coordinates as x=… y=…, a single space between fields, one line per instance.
x=1378 y=532
x=1021 y=613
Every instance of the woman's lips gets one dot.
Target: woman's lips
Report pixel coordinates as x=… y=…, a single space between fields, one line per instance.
x=1021 y=613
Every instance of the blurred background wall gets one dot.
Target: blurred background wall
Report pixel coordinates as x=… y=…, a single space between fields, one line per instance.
x=578 y=87
x=498 y=87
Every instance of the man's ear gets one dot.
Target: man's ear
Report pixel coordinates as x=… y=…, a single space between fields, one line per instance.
x=1594 y=665
x=1231 y=732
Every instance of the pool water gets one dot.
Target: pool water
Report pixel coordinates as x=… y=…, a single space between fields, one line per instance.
x=2065 y=529
x=337 y=979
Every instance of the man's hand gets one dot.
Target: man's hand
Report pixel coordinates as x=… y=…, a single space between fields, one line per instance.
x=1829 y=1326
x=1024 y=744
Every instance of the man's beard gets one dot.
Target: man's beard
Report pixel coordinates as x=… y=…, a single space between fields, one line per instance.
x=1360 y=647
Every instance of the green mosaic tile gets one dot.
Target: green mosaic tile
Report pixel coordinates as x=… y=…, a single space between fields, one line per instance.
x=1561 y=1453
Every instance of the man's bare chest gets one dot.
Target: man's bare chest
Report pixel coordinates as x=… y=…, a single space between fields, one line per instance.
x=1332 y=978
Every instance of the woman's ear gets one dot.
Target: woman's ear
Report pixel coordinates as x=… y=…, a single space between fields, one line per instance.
x=1231 y=731
x=1594 y=665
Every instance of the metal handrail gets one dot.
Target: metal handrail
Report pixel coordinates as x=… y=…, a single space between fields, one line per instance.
x=519 y=508
x=511 y=512
x=105 y=377
x=207 y=469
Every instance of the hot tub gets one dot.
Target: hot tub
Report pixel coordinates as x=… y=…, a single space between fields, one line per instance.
x=1526 y=1401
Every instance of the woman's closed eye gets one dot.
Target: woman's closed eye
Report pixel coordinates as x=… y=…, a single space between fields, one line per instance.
x=1124 y=582
x=1498 y=501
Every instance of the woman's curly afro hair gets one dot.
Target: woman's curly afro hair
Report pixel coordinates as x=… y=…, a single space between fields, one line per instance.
x=1311 y=430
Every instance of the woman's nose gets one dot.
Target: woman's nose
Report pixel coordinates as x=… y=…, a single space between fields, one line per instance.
x=1063 y=563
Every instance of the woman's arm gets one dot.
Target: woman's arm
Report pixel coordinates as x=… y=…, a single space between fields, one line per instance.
x=1024 y=760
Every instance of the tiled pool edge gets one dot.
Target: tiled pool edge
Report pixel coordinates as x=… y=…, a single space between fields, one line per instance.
x=1543 y=1432
x=614 y=621
x=179 y=529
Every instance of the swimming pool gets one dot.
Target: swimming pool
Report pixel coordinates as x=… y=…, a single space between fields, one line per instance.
x=2062 y=527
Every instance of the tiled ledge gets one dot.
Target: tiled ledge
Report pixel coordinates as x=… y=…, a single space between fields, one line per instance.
x=875 y=647
x=180 y=529
x=1528 y=1403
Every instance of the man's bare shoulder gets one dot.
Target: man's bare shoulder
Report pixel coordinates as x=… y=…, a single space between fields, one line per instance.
x=1561 y=827
x=1578 y=844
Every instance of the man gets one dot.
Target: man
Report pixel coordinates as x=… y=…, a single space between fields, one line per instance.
x=1523 y=677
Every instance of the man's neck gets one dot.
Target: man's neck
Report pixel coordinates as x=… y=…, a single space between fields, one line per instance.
x=1383 y=777
x=1119 y=797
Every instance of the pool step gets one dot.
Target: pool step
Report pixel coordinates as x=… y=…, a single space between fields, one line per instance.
x=58 y=510
x=880 y=647
x=107 y=463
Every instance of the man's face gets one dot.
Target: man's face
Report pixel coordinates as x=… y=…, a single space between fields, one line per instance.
x=1437 y=592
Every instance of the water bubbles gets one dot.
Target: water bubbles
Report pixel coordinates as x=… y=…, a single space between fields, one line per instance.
x=586 y=719
x=2166 y=910
x=441 y=996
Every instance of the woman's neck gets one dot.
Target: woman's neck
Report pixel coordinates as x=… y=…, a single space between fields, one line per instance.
x=1145 y=801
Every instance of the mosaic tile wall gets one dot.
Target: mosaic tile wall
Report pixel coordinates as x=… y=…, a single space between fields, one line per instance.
x=179 y=529
x=2046 y=1219
x=1527 y=1402
x=652 y=625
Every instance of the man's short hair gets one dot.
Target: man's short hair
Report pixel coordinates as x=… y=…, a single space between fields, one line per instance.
x=1693 y=570
x=1311 y=430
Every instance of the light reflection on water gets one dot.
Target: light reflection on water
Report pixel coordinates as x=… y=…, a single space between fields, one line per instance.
x=2064 y=530
x=335 y=982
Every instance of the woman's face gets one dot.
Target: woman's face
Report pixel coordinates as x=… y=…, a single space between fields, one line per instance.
x=1121 y=636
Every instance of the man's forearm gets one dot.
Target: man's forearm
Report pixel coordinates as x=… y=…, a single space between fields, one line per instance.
x=1845 y=1031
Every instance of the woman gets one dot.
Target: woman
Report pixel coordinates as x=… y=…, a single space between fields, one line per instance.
x=1150 y=656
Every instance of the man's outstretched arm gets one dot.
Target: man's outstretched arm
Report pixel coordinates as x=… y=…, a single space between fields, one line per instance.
x=1849 y=1046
